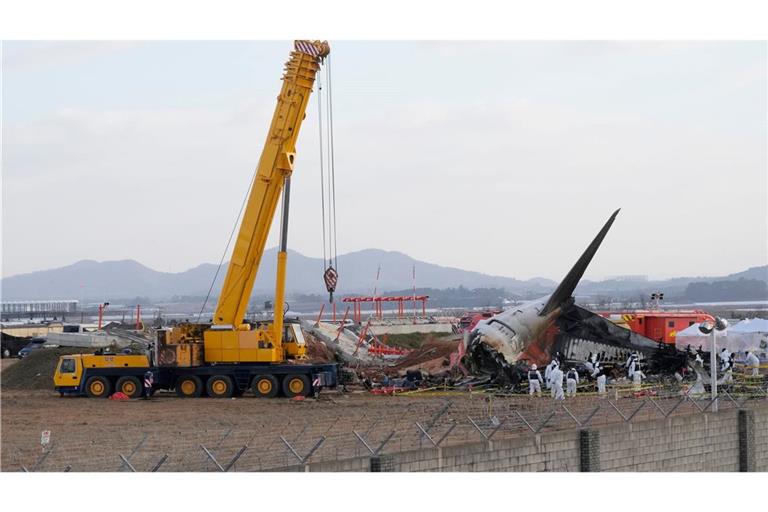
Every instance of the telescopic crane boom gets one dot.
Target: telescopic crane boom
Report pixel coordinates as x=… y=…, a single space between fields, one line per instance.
x=229 y=339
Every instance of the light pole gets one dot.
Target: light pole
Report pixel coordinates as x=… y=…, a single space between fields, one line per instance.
x=709 y=328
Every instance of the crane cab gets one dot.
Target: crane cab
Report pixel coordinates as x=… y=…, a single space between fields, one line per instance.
x=96 y=374
x=293 y=337
x=68 y=373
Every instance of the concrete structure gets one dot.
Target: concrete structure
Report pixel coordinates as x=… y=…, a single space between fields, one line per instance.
x=87 y=340
x=31 y=330
x=734 y=440
x=378 y=330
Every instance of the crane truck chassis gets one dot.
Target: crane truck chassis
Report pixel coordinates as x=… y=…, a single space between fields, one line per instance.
x=216 y=381
x=229 y=355
x=99 y=375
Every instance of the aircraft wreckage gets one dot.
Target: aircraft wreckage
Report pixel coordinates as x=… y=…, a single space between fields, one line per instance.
x=504 y=344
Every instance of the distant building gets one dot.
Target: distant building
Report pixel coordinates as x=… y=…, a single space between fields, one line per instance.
x=39 y=306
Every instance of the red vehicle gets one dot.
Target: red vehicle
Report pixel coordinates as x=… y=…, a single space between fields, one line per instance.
x=657 y=325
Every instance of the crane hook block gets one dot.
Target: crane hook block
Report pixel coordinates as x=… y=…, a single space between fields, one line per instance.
x=331 y=277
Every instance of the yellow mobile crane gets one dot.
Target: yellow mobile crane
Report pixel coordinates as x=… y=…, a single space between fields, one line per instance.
x=231 y=355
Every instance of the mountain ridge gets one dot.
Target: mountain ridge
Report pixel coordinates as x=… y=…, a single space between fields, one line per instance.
x=121 y=279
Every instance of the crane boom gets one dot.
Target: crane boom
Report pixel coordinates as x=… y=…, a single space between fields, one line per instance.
x=275 y=166
x=230 y=339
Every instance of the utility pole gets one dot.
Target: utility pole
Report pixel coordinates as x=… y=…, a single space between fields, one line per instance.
x=710 y=328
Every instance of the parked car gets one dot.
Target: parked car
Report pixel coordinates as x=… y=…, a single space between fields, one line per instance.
x=34 y=344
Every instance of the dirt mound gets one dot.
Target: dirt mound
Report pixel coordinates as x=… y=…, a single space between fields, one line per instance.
x=432 y=357
x=317 y=350
x=36 y=370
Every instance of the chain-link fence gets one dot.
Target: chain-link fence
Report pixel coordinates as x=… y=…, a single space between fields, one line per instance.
x=400 y=424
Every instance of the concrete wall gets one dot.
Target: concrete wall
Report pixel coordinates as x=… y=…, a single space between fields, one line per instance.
x=697 y=442
x=694 y=442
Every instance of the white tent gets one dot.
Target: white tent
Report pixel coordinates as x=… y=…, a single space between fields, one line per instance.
x=752 y=335
x=692 y=336
x=749 y=326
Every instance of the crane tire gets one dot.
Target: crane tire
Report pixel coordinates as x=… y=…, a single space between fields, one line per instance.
x=264 y=386
x=296 y=385
x=98 y=387
x=219 y=386
x=189 y=386
x=130 y=386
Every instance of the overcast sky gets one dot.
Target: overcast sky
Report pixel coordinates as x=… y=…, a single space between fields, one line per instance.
x=500 y=157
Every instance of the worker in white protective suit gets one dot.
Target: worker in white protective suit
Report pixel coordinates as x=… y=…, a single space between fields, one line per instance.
x=571 y=380
x=599 y=373
x=631 y=364
x=637 y=379
x=725 y=358
x=753 y=362
x=534 y=381
x=727 y=377
x=548 y=372
x=557 y=383
x=589 y=364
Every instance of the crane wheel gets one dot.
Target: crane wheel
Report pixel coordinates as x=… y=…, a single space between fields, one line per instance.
x=265 y=386
x=219 y=386
x=130 y=386
x=189 y=386
x=295 y=385
x=98 y=387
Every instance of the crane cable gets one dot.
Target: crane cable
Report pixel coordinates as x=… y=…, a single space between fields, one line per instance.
x=322 y=159
x=226 y=248
x=330 y=254
x=332 y=160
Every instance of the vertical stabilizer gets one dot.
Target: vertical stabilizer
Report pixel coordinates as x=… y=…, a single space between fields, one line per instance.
x=568 y=284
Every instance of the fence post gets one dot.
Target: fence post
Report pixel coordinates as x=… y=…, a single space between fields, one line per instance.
x=133 y=452
x=589 y=450
x=125 y=461
x=746 y=440
x=210 y=456
x=159 y=463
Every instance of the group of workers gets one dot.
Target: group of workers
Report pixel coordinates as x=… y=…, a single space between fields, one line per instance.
x=727 y=361
x=554 y=376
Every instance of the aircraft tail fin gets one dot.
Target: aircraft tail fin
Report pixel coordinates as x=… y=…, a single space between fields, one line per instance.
x=568 y=284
